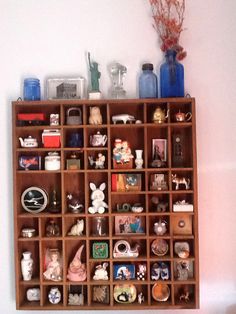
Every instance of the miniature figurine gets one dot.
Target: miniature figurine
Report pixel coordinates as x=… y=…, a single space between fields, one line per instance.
x=124 y=118
x=180 y=180
x=52 y=229
x=182 y=270
x=184 y=294
x=77 y=270
x=160 y=227
x=159 y=115
x=98 y=162
x=140 y=298
x=74 y=203
x=53 y=266
x=77 y=229
x=101 y=272
x=95 y=76
x=97 y=197
x=95 y=115
x=157 y=205
x=141 y=272
x=122 y=152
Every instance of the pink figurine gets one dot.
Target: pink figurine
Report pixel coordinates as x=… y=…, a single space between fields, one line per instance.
x=77 y=270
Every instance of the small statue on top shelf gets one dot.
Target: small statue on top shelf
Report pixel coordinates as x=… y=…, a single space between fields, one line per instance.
x=95 y=76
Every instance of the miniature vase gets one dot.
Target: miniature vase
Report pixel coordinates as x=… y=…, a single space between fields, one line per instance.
x=27 y=266
x=139 y=160
x=171 y=76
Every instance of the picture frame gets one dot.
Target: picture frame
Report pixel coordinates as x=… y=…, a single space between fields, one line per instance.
x=129 y=224
x=159 y=149
x=65 y=88
x=123 y=272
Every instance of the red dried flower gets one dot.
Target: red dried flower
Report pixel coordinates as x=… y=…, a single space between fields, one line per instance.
x=168 y=16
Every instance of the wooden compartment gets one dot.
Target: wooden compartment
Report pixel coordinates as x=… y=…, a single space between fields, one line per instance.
x=129 y=194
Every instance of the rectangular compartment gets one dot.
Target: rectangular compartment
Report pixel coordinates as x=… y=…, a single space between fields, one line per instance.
x=96 y=114
x=157 y=147
x=128 y=203
x=76 y=295
x=181 y=147
x=124 y=108
x=47 y=182
x=75 y=227
x=74 y=187
x=98 y=226
x=32 y=247
x=158 y=203
x=185 y=296
x=128 y=225
x=129 y=248
x=29 y=296
x=158 y=112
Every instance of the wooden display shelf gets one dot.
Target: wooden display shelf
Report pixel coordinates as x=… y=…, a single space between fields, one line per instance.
x=178 y=160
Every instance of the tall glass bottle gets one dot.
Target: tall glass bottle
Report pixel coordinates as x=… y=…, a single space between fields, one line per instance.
x=171 y=76
x=148 y=82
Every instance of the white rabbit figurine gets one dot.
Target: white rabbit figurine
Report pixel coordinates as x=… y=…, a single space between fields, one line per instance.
x=97 y=197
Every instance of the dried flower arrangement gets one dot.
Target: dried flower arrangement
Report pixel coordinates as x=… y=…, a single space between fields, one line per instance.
x=168 y=18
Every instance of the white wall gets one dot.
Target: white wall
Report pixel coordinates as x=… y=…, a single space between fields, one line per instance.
x=50 y=38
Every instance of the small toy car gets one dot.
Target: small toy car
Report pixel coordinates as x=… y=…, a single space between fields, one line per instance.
x=123 y=117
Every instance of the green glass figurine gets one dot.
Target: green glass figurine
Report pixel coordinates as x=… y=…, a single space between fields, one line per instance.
x=95 y=76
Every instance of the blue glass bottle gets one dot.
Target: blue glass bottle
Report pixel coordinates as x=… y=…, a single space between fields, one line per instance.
x=171 y=76
x=31 y=89
x=148 y=82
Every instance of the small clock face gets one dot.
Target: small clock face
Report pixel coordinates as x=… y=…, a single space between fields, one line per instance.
x=34 y=199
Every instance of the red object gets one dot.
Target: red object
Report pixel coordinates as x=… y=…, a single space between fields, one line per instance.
x=31 y=116
x=51 y=138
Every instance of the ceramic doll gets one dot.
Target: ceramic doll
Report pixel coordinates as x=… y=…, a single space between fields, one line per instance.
x=53 y=267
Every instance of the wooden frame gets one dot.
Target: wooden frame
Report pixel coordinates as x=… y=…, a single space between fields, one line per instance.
x=72 y=181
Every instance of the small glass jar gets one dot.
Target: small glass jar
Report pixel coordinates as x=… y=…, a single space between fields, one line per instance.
x=148 y=82
x=31 y=89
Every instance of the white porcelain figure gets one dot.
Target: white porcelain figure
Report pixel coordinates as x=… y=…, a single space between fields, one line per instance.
x=27 y=266
x=139 y=160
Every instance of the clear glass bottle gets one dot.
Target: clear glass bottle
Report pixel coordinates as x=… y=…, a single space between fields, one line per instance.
x=31 y=89
x=148 y=82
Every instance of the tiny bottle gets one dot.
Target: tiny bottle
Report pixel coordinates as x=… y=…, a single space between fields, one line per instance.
x=31 y=89
x=148 y=82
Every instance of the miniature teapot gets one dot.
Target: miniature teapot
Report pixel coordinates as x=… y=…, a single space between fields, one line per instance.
x=98 y=139
x=28 y=142
x=181 y=116
x=159 y=115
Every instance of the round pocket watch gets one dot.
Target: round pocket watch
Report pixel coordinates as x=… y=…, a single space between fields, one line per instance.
x=34 y=199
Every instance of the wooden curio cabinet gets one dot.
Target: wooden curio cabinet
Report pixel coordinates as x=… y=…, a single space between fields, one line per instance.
x=159 y=246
